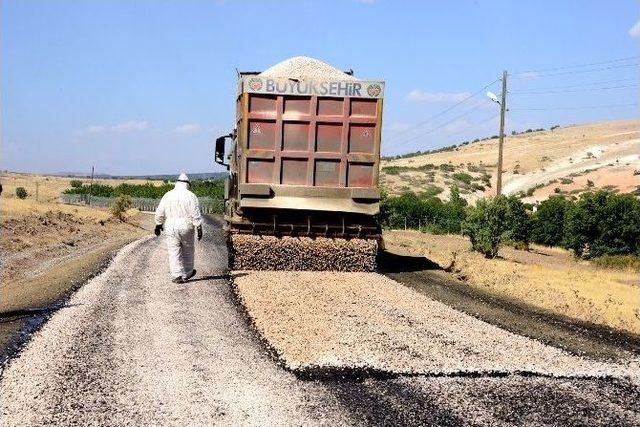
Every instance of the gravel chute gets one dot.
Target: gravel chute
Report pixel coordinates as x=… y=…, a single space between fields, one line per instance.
x=251 y=252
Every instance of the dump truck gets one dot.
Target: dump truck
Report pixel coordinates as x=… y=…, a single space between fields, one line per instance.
x=302 y=190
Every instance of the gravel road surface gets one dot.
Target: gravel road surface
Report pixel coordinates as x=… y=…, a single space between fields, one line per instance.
x=131 y=348
x=327 y=320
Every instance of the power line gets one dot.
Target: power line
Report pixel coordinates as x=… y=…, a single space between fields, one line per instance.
x=564 y=67
x=446 y=110
x=520 y=77
x=575 y=108
x=481 y=122
x=525 y=92
x=586 y=84
x=471 y=110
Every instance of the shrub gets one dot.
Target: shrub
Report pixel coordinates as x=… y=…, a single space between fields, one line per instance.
x=603 y=223
x=21 y=193
x=120 y=206
x=463 y=177
x=548 y=221
x=75 y=183
x=485 y=225
x=391 y=170
x=430 y=191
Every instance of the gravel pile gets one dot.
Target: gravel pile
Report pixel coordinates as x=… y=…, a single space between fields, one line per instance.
x=366 y=321
x=250 y=252
x=305 y=68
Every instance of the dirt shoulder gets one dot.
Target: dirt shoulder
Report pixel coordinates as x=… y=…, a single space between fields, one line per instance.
x=544 y=294
x=47 y=251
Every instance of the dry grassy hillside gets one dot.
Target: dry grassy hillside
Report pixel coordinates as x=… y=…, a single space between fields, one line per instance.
x=566 y=160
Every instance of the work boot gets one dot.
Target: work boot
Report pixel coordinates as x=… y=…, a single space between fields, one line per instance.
x=190 y=275
x=177 y=280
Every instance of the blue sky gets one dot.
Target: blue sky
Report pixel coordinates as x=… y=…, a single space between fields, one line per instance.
x=141 y=87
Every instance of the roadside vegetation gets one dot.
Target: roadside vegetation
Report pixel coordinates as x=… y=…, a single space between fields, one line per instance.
x=598 y=224
x=120 y=206
x=21 y=193
x=205 y=188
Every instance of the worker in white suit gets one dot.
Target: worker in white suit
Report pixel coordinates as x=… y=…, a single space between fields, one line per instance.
x=178 y=214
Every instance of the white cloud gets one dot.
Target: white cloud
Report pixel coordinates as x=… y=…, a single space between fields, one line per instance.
x=421 y=96
x=131 y=126
x=187 y=128
x=635 y=30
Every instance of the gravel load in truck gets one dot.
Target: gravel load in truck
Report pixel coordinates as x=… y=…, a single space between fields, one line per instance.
x=302 y=190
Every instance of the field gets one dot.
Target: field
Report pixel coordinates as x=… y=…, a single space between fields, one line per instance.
x=605 y=154
x=47 y=188
x=547 y=278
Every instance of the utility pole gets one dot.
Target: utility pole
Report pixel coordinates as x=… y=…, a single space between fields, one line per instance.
x=503 y=109
x=91 y=186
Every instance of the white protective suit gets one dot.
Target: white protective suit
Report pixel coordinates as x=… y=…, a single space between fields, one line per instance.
x=179 y=211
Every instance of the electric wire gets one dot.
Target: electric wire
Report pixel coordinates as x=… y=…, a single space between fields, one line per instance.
x=521 y=76
x=565 y=67
x=525 y=92
x=441 y=113
x=430 y=131
x=575 y=108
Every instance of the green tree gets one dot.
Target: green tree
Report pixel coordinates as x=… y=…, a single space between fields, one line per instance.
x=75 y=183
x=455 y=211
x=548 y=221
x=603 y=223
x=485 y=225
x=518 y=223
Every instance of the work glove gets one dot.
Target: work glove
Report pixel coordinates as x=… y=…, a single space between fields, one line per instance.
x=199 y=231
x=158 y=229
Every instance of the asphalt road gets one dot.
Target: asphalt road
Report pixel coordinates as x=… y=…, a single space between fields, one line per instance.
x=131 y=348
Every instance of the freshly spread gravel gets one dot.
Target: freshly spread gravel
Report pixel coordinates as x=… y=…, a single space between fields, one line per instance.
x=305 y=68
x=250 y=252
x=366 y=321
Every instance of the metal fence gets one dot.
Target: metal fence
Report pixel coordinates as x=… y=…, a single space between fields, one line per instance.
x=208 y=205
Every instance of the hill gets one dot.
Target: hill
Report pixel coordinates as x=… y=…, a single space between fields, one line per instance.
x=565 y=160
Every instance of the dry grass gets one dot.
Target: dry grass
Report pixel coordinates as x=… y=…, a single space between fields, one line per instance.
x=548 y=278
